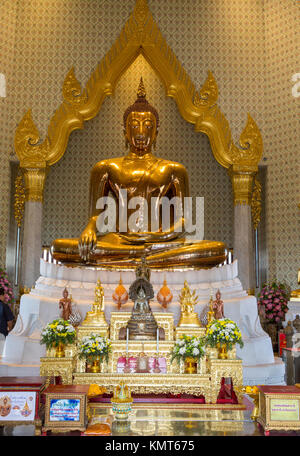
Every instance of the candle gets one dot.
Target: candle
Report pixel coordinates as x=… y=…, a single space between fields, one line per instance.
x=127 y=337
x=157 y=340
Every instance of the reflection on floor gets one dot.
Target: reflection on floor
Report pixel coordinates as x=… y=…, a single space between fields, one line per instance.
x=164 y=420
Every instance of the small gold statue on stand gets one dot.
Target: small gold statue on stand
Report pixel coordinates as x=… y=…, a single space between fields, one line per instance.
x=65 y=305
x=188 y=300
x=121 y=401
x=96 y=316
x=210 y=314
x=218 y=306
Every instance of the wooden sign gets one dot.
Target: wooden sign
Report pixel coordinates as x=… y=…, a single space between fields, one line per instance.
x=65 y=408
x=279 y=408
x=20 y=400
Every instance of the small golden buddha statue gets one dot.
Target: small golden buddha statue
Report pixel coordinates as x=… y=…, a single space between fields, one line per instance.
x=139 y=174
x=188 y=300
x=96 y=316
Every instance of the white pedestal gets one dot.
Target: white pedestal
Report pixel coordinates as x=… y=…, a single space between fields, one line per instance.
x=40 y=306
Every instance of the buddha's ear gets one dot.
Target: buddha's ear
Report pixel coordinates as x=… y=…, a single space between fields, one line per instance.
x=126 y=139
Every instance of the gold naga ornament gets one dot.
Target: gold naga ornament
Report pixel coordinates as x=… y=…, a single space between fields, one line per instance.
x=188 y=300
x=120 y=295
x=256 y=203
x=19 y=199
x=164 y=296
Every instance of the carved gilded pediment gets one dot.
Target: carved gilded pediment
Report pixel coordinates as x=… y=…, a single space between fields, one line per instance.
x=140 y=35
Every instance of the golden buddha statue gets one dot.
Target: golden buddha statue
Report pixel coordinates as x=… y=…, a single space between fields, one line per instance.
x=142 y=175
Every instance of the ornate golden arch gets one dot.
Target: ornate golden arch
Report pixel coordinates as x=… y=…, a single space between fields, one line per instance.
x=140 y=35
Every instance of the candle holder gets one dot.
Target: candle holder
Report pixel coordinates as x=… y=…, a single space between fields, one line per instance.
x=126 y=369
x=156 y=365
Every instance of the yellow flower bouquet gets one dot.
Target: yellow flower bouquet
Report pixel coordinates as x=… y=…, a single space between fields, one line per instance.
x=223 y=331
x=59 y=331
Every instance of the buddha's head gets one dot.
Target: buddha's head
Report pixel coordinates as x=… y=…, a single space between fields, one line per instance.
x=141 y=123
x=65 y=293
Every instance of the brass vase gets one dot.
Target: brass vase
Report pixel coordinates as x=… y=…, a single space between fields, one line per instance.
x=222 y=351
x=95 y=365
x=190 y=365
x=60 y=350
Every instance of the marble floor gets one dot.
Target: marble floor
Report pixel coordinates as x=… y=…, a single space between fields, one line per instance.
x=161 y=420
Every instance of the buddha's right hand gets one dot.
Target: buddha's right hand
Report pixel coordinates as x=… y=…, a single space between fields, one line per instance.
x=86 y=243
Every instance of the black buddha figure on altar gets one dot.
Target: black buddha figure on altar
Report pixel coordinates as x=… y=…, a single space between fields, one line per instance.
x=142 y=324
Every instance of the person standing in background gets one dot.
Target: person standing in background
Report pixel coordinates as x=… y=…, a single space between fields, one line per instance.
x=6 y=315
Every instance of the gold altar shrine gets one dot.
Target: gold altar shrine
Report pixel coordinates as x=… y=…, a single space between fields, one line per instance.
x=205 y=382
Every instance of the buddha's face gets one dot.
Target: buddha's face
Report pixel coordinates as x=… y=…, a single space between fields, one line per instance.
x=141 y=131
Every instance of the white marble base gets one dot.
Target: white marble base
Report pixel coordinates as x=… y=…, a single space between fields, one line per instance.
x=41 y=306
x=265 y=374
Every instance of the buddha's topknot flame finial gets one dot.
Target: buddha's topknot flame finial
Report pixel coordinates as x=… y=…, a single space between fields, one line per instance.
x=141 y=93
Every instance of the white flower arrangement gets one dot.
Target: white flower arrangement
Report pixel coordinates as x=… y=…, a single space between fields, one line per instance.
x=94 y=346
x=188 y=346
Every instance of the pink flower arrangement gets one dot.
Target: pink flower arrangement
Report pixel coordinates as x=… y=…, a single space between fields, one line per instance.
x=5 y=284
x=272 y=302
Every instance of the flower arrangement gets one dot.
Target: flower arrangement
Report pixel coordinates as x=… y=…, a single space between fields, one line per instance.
x=273 y=300
x=59 y=331
x=93 y=347
x=223 y=331
x=5 y=284
x=188 y=347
